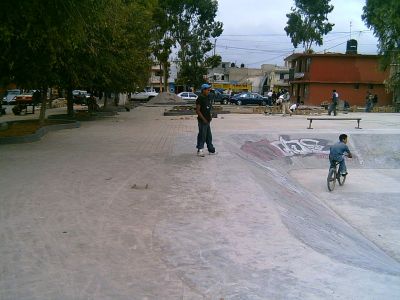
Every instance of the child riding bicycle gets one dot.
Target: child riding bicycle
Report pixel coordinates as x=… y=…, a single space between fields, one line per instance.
x=337 y=152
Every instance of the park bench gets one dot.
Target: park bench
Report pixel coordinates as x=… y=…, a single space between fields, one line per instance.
x=332 y=119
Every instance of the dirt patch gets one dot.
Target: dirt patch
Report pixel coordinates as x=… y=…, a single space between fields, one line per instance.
x=25 y=127
x=166 y=98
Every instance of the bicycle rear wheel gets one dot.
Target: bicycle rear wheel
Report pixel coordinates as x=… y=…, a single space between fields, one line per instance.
x=331 y=180
x=341 y=179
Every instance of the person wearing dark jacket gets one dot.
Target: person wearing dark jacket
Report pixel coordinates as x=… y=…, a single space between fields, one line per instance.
x=204 y=117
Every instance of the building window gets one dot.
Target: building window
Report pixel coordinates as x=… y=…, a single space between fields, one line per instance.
x=223 y=65
x=356 y=86
x=222 y=77
x=370 y=86
x=300 y=65
x=308 y=63
x=281 y=76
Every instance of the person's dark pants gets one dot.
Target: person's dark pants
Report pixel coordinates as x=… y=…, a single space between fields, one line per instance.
x=342 y=164
x=369 y=106
x=204 y=136
x=332 y=108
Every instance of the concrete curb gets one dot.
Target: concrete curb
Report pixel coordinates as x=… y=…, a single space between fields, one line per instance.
x=39 y=133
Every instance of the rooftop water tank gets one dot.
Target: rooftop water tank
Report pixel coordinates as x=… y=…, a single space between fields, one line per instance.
x=351 y=47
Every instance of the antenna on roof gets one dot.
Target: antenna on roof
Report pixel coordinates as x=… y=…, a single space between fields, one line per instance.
x=350 y=29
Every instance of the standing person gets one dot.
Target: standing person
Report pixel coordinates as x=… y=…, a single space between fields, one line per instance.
x=375 y=100
x=369 y=102
x=336 y=154
x=286 y=103
x=204 y=117
x=269 y=95
x=274 y=97
x=335 y=101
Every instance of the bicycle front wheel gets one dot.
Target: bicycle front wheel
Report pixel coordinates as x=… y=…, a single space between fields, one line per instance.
x=331 y=180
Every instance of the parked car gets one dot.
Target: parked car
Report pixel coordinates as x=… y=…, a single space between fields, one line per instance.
x=219 y=97
x=10 y=96
x=188 y=96
x=80 y=96
x=248 y=98
x=144 y=95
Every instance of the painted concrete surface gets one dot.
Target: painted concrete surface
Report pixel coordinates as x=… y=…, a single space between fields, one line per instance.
x=122 y=208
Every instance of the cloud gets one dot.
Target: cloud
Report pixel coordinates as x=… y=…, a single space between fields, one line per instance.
x=258 y=24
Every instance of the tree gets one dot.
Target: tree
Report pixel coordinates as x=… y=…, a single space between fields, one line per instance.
x=188 y=25
x=102 y=45
x=308 y=22
x=383 y=17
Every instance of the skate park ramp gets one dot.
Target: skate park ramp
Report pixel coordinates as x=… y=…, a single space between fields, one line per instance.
x=299 y=164
x=275 y=221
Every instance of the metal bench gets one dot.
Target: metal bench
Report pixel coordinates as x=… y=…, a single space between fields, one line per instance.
x=347 y=119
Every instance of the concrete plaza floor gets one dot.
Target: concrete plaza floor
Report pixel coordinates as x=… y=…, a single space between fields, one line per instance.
x=122 y=208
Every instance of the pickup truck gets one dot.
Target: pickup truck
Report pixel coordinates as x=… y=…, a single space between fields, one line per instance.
x=145 y=95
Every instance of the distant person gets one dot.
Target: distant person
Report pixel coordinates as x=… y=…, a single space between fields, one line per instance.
x=369 y=102
x=294 y=107
x=285 y=103
x=204 y=117
x=269 y=97
x=92 y=104
x=346 y=106
x=335 y=101
x=337 y=152
x=274 y=97
x=36 y=97
x=375 y=100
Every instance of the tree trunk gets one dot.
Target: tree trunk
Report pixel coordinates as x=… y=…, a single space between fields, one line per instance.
x=42 y=115
x=105 y=99
x=70 y=103
x=165 y=74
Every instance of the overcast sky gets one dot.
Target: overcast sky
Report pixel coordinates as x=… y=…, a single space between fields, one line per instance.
x=254 y=31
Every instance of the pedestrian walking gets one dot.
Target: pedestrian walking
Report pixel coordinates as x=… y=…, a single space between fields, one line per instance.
x=204 y=117
x=335 y=101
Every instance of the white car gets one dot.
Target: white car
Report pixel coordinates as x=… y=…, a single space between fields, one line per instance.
x=145 y=95
x=10 y=96
x=188 y=96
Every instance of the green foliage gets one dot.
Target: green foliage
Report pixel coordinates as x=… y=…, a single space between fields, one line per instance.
x=308 y=22
x=383 y=17
x=102 y=44
x=213 y=61
x=188 y=25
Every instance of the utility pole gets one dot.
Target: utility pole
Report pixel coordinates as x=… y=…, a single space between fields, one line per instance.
x=350 y=29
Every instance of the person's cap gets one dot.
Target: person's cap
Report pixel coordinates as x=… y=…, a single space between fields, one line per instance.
x=205 y=86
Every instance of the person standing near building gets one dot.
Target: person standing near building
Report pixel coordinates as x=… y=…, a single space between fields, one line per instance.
x=204 y=117
x=335 y=101
x=286 y=103
x=369 y=102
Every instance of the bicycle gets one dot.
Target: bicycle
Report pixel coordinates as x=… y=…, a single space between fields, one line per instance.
x=334 y=175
